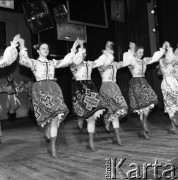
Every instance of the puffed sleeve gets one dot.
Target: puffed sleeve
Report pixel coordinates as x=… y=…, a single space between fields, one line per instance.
x=100 y=61
x=24 y=59
x=78 y=58
x=109 y=60
x=156 y=56
x=9 y=56
x=128 y=59
x=118 y=64
x=65 y=62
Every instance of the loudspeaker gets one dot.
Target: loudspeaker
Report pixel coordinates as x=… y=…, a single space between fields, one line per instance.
x=37 y=16
x=70 y=32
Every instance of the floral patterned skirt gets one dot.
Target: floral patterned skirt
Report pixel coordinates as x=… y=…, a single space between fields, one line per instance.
x=48 y=101
x=113 y=100
x=169 y=87
x=86 y=99
x=141 y=95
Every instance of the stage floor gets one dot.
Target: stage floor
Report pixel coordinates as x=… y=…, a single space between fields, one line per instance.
x=23 y=153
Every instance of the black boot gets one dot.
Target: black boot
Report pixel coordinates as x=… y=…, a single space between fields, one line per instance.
x=48 y=145
x=46 y=131
x=174 y=128
x=14 y=117
x=80 y=123
x=144 y=134
x=91 y=142
x=145 y=124
x=143 y=131
x=117 y=138
x=107 y=126
x=10 y=117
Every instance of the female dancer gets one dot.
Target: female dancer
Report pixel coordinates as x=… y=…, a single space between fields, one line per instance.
x=110 y=91
x=12 y=102
x=86 y=101
x=27 y=88
x=141 y=95
x=169 y=86
x=9 y=56
x=49 y=107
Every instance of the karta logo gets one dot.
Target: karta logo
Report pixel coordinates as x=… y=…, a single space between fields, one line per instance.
x=114 y=170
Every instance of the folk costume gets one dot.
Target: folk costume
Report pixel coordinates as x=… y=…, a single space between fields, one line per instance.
x=27 y=88
x=12 y=101
x=47 y=96
x=169 y=87
x=87 y=103
x=141 y=95
x=49 y=107
x=110 y=91
x=9 y=56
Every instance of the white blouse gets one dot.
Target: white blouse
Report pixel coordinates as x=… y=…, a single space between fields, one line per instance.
x=108 y=73
x=43 y=69
x=9 y=56
x=167 y=69
x=138 y=66
x=169 y=64
x=80 y=69
x=107 y=67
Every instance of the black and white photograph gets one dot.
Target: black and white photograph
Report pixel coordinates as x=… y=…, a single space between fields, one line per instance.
x=88 y=89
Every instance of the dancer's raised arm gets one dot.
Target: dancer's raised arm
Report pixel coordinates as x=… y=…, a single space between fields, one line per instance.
x=157 y=55
x=23 y=55
x=128 y=57
x=48 y=102
x=106 y=58
x=72 y=57
x=10 y=53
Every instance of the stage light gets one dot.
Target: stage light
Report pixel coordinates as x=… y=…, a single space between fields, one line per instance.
x=152 y=11
x=154 y=30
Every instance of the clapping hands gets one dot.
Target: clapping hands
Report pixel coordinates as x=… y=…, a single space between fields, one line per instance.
x=17 y=40
x=78 y=42
x=166 y=45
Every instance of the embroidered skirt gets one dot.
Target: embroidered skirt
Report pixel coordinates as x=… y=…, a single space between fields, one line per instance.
x=141 y=95
x=169 y=87
x=113 y=99
x=86 y=99
x=48 y=101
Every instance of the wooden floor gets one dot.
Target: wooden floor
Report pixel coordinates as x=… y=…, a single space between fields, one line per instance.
x=23 y=151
